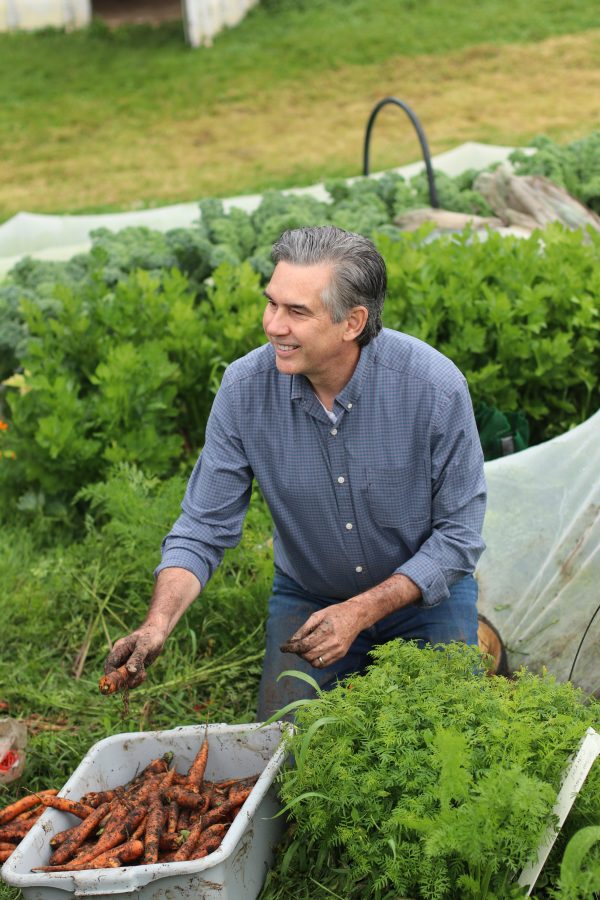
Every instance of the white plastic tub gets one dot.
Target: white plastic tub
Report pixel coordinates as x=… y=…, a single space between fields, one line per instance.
x=236 y=871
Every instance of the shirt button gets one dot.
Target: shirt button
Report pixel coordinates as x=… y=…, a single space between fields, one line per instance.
x=349 y=406
x=333 y=431
x=358 y=569
x=348 y=526
x=341 y=479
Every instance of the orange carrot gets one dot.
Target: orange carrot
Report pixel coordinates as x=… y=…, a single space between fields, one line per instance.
x=172 y=816
x=154 y=827
x=23 y=805
x=209 y=841
x=189 y=844
x=127 y=852
x=7 y=845
x=231 y=782
x=119 y=829
x=157 y=767
x=239 y=795
x=34 y=813
x=184 y=819
x=78 y=835
x=210 y=847
x=97 y=798
x=4 y=854
x=114 y=681
x=172 y=842
x=197 y=769
x=70 y=806
x=17 y=831
x=187 y=799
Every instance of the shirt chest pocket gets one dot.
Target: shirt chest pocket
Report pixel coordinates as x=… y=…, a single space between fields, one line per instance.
x=398 y=497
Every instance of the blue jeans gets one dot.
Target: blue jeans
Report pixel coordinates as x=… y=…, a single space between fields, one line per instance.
x=454 y=619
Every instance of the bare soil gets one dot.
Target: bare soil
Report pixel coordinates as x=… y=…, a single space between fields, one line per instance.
x=136 y=12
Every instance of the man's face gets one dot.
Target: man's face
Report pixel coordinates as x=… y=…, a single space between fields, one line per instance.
x=299 y=327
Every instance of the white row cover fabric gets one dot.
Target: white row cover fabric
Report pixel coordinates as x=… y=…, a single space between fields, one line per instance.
x=29 y=15
x=539 y=578
x=60 y=237
x=203 y=19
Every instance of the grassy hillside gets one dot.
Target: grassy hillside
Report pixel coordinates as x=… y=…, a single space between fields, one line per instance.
x=103 y=119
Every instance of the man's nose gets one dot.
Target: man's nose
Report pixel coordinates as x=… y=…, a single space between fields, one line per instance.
x=278 y=322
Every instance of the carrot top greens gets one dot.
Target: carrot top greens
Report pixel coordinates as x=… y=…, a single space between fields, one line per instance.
x=424 y=778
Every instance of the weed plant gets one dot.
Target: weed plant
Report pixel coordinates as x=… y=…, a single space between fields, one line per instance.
x=62 y=607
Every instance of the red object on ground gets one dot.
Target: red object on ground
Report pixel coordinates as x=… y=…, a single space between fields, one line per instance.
x=9 y=761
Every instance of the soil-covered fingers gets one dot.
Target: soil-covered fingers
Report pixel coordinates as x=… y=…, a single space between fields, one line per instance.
x=307 y=636
x=326 y=636
x=132 y=654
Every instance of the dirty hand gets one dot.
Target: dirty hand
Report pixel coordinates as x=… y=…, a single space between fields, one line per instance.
x=326 y=636
x=136 y=651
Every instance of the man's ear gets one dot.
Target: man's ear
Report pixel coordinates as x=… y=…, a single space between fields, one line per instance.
x=356 y=321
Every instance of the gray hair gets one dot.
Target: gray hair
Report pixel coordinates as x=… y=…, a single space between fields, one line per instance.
x=359 y=277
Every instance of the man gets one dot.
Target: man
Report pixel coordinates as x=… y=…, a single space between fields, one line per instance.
x=364 y=445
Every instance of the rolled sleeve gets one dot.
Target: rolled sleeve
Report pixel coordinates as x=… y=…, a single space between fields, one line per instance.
x=216 y=498
x=458 y=501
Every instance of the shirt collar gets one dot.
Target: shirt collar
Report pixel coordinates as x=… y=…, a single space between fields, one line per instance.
x=301 y=386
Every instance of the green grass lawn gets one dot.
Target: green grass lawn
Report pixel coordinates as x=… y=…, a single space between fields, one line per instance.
x=101 y=119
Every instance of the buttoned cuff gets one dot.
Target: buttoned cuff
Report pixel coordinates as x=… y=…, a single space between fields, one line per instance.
x=183 y=559
x=428 y=577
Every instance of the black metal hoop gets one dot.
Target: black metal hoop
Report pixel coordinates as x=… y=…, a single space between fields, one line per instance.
x=433 y=198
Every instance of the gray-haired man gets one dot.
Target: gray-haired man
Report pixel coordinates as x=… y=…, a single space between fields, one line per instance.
x=364 y=445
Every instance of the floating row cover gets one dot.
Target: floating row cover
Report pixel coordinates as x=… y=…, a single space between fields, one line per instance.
x=539 y=576
x=32 y=14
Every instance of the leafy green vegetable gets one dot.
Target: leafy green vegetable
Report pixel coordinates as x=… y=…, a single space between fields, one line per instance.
x=576 y=166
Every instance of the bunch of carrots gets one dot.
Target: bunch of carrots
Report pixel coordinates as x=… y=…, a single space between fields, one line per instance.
x=159 y=816
x=18 y=818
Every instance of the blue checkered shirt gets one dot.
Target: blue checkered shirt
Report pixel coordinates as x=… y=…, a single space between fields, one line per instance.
x=396 y=485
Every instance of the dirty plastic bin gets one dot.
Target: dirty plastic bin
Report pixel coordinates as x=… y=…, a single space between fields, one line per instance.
x=236 y=871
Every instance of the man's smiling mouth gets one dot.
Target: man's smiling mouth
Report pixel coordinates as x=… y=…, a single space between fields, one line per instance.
x=284 y=348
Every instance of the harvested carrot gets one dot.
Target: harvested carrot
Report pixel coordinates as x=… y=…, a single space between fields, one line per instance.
x=187 y=799
x=232 y=782
x=78 y=835
x=184 y=819
x=5 y=845
x=210 y=840
x=157 y=767
x=69 y=806
x=169 y=843
x=197 y=769
x=190 y=842
x=97 y=798
x=23 y=805
x=114 y=681
x=172 y=816
x=4 y=854
x=168 y=780
x=15 y=832
x=239 y=795
x=154 y=827
x=144 y=791
x=207 y=848
x=127 y=852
